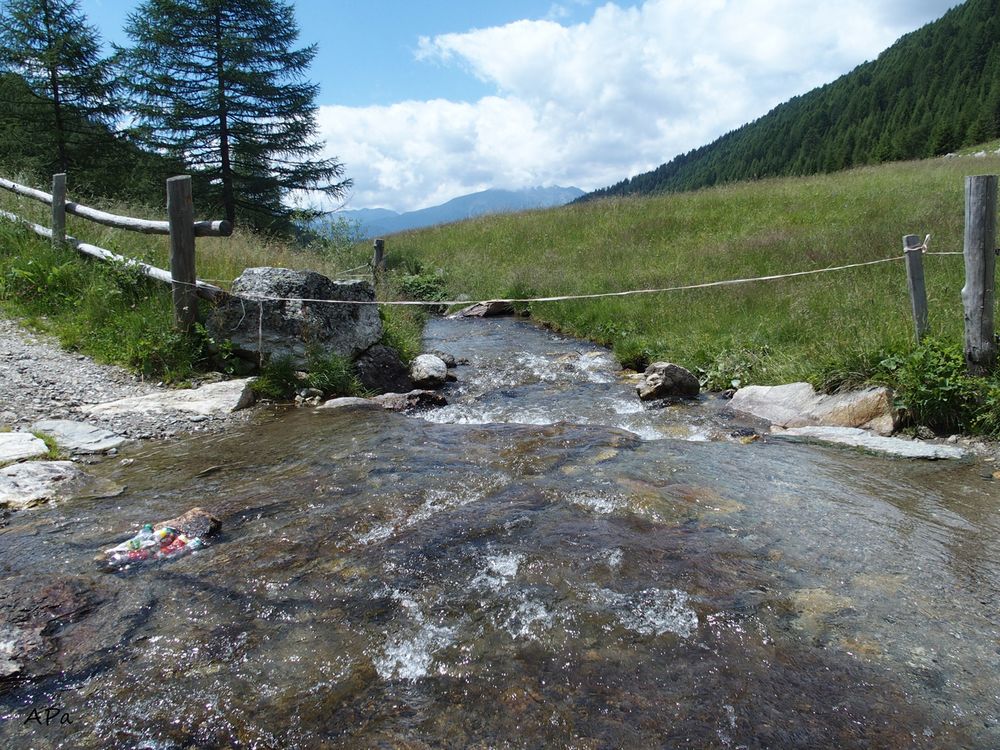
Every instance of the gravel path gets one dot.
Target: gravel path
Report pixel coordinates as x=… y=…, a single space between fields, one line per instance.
x=40 y=380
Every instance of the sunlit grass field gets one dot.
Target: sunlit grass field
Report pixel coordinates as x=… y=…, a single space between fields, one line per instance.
x=788 y=329
x=837 y=329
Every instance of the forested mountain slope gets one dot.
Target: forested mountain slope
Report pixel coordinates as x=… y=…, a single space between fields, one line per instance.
x=933 y=91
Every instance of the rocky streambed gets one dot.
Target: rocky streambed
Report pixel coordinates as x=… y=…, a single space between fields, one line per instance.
x=544 y=562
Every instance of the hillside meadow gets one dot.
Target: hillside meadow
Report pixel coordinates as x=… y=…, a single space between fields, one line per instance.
x=772 y=331
x=837 y=330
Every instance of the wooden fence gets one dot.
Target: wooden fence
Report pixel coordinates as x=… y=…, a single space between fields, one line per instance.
x=180 y=227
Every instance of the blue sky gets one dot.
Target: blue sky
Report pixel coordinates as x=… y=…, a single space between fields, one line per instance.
x=430 y=99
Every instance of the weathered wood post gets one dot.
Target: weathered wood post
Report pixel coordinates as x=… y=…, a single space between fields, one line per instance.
x=180 y=214
x=913 y=251
x=378 y=261
x=58 y=210
x=980 y=269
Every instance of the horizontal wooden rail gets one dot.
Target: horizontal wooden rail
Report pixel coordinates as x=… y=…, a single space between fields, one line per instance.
x=203 y=290
x=221 y=228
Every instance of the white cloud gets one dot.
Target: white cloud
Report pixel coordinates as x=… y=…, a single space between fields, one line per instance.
x=591 y=103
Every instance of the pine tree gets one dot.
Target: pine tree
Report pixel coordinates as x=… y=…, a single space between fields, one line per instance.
x=50 y=46
x=218 y=84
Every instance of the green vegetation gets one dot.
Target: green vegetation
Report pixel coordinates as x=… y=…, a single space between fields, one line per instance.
x=835 y=330
x=333 y=375
x=934 y=91
x=119 y=316
x=67 y=82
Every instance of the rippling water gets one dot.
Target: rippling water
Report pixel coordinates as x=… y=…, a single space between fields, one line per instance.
x=533 y=566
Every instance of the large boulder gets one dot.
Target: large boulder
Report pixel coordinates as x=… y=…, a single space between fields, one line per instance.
x=277 y=312
x=798 y=405
x=667 y=380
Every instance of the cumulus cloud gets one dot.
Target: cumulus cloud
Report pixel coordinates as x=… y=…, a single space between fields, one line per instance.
x=591 y=103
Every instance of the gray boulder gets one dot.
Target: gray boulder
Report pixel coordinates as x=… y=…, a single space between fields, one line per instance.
x=381 y=369
x=428 y=371
x=278 y=312
x=667 y=380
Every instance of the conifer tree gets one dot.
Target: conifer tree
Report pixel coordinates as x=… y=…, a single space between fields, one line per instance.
x=49 y=45
x=219 y=84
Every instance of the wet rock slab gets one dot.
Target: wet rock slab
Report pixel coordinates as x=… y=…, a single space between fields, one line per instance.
x=350 y=402
x=857 y=438
x=60 y=624
x=212 y=399
x=34 y=483
x=78 y=437
x=17 y=446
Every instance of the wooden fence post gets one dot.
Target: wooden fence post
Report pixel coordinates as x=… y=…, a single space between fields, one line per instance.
x=980 y=269
x=180 y=214
x=913 y=251
x=378 y=262
x=58 y=210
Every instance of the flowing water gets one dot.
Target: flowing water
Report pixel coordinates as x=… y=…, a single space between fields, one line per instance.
x=544 y=563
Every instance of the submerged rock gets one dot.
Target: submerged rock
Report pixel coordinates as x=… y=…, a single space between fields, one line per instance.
x=277 y=312
x=196 y=522
x=667 y=380
x=798 y=405
x=37 y=482
x=858 y=438
x=62 y=624
x=416 y=399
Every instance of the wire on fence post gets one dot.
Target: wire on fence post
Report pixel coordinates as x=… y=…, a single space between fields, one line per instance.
x=913 y=251
x=58 y=210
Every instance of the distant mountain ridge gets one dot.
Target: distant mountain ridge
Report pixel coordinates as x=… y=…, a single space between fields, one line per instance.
x=935 y=90
x=375 y=222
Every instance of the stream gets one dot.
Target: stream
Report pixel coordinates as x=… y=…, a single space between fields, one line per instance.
x=544 y=563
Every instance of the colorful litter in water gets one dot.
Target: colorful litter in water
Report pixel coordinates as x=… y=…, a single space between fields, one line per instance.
x=151 y=544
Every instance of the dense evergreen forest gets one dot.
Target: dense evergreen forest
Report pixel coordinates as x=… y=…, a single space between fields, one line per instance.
x=104 y=163
x=934 y=91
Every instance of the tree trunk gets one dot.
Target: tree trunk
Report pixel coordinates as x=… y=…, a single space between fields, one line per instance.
x=226 y=166
x=53 y=72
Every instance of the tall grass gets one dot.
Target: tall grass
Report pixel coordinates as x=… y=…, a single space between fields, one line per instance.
x=836 y=330
x=796 y=328
x=117 y=315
